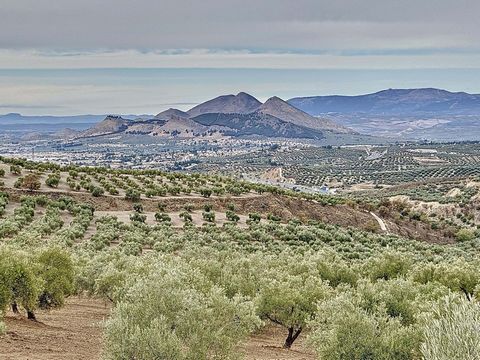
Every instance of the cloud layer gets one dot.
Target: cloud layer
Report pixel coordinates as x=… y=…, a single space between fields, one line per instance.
x=138 y=56
x=249 y=24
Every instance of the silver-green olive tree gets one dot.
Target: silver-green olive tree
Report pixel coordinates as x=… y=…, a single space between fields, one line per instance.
x=290 y=300
x=452 y=330
x=175 y=313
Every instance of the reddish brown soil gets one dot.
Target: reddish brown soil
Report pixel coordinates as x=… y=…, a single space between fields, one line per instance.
x=75 y=333
x=267 y=345
x=71 y=333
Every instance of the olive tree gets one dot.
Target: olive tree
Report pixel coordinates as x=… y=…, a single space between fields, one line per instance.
x=343 y=329
x=31 y=182
x=176 y=314
x=18 y=283
x=451 y=332
x=55 y=268
x=290 y=301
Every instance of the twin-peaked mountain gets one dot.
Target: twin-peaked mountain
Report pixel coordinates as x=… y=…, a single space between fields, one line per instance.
x=227 y=115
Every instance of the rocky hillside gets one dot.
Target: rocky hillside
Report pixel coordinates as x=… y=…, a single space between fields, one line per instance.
x=281 y=109
x=110 y=125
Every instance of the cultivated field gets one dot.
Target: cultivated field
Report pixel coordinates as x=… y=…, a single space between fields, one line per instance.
x=116 y=264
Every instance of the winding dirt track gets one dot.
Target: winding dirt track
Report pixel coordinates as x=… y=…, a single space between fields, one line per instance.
x=381 y=223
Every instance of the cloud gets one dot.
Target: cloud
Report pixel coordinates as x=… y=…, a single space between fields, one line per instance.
x=142 y=55
x=202 y=58
x=247 y=24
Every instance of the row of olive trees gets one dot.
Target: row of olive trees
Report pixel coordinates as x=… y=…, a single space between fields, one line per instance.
x=375 y=309
x=172 y=183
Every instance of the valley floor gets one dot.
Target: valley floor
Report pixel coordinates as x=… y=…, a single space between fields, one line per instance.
x=74 y=332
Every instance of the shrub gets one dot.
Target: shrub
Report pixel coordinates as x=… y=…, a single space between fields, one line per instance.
x=96 y=191
x=207 y=207
x=162 y=217
x=465 y=235
x=186 y=216
x=55 y=268
x=205 y=192
x=208 y=216
x=52 y=180
x=15 y=169
x=167 y=317
x=274 y=218
x=132 y=195
x=231 y=216
x=31 y=182
x=254 y=218
x=138 y=217
x=452 y=333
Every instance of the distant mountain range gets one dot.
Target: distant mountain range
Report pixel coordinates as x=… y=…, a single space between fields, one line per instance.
x=226 y=115
x=393 y=102
x=428 y=113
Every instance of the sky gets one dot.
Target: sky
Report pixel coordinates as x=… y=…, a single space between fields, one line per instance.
x=142 y=56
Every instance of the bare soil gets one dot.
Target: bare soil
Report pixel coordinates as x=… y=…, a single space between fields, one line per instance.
x=75 y=333
x=71 y=333
x=267 y=345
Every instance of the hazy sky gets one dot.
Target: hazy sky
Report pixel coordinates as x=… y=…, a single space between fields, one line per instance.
x=140 y=56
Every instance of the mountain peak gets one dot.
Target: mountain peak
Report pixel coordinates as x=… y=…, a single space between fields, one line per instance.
x=243 y=93
x=110 y=125
x=165 y=115
x=279 y=108
x=242 y=103
x=275 y=99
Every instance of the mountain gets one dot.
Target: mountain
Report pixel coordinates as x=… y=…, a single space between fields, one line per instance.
x=284 y=111
x=242 y=103
x=175 y=126
x=165 y=115
x=427 y=113
x=15 y=118
x=67 y=134
x=394 y=102
x=257 y=123
x=227 y=115
x=110 y=125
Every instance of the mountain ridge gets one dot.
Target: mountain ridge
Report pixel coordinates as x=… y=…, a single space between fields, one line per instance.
x=392 y=101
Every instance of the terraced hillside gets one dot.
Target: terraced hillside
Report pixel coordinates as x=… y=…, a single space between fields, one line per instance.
x=180 y=265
